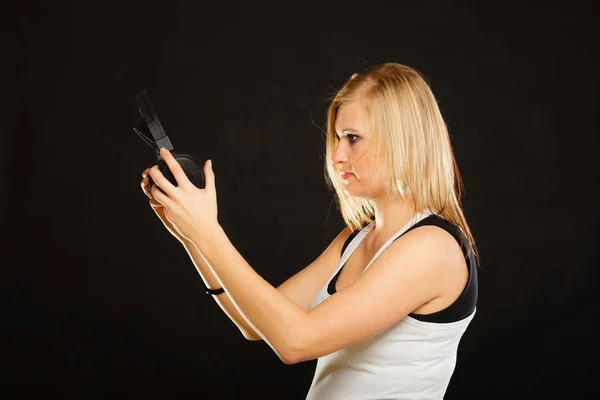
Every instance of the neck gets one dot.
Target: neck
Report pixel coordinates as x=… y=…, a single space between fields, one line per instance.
x=392 y=214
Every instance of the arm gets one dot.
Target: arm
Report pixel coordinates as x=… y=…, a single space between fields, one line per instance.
x=207 y=276
x=300 y=288
x=272 y=315
x=404 y=277
x=223 y=299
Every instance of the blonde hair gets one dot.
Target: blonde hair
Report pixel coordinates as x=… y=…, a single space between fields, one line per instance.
x=412 y=142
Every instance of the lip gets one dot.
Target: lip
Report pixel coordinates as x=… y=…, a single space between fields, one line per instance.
x=347 y=175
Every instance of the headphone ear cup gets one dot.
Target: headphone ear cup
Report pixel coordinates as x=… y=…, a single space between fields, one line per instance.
x=190 y=165
x=193 y=169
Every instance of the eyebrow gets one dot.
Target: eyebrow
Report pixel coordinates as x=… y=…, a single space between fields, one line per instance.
x=347 y=131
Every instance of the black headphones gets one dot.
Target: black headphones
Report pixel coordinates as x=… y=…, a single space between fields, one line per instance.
x=150 y=123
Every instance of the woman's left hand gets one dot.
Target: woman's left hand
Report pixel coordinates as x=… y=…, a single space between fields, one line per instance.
x=191 y=210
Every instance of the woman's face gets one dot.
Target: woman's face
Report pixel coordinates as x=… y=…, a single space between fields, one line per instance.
x=354 y=155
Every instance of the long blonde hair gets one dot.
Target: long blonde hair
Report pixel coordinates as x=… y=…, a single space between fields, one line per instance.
x=412 y=141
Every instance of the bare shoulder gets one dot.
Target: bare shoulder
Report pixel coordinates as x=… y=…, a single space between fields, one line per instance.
x=433 y=247
x=432 y=235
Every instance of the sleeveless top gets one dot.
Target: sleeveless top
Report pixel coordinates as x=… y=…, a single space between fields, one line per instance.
x=413 y=359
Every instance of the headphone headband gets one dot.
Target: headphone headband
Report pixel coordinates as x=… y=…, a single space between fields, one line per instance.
x=151 y=122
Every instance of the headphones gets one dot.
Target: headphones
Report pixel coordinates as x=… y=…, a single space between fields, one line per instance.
x=191 y=165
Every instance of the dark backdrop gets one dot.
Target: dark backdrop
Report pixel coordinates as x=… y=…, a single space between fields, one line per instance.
x=100 y=301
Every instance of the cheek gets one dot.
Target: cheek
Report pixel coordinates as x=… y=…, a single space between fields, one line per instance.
x=371 y=172
x=368 y=165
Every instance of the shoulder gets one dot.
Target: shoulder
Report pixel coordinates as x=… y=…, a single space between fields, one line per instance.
x=430 y=236
x=428 y=247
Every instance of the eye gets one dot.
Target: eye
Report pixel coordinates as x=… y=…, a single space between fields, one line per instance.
x=352 y=138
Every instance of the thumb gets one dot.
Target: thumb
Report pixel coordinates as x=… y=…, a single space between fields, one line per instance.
x=210 y=175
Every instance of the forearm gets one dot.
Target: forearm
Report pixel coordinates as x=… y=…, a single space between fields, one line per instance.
x=223 y=299
x=277 y=319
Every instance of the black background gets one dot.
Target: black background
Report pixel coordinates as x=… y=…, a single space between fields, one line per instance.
x=100 y=301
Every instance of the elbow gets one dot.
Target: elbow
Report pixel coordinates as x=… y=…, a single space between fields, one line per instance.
x=296 y=357
x=290 y=358
x=250 y=336
x=294 y=352
x=299 y=347
x=286 y=354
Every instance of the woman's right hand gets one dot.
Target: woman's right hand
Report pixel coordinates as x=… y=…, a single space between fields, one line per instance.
x=158 y=207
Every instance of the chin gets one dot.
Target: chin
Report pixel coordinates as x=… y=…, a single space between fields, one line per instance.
x=360 y=192
x=357 y=193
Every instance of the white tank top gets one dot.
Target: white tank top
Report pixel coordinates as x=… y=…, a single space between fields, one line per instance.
x=410 y=360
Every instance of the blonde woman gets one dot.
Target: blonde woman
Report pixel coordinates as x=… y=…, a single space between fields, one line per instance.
x=384 y=307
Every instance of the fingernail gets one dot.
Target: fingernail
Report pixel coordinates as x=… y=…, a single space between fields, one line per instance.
x=143 y=175
x=210 y=164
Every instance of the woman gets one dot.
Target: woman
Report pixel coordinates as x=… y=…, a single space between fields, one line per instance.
x=383 y=308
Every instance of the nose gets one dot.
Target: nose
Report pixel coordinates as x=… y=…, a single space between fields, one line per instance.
x=340 y=154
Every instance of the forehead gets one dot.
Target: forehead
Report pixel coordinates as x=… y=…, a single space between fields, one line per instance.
x=352 y=115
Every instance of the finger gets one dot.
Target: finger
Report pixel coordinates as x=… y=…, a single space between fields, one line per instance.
x=161 y=197
x=144 y=185
x=160 y=181
x=175 y=167
x=210 y=175
x=155 y=203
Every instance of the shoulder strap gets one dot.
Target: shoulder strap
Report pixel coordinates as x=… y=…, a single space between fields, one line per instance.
x=347 y=242
x=353 y=235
